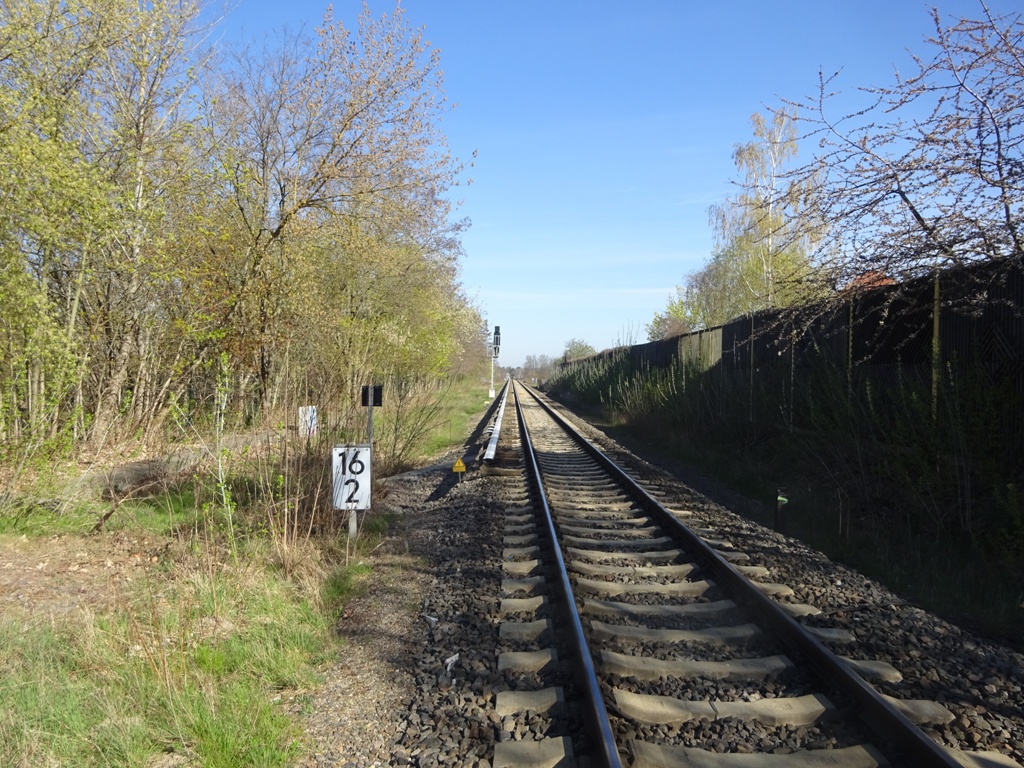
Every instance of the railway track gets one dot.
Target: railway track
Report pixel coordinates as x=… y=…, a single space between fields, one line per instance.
x=639 y=635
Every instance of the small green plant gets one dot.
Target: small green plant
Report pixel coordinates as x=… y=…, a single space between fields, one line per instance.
x=223 y=390
x=344 y=583
x=160 y=513
x=377 y=524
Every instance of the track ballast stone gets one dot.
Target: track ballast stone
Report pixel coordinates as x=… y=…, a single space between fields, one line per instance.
x=449 y=672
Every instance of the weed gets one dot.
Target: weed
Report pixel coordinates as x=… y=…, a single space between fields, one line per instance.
x=345 y=583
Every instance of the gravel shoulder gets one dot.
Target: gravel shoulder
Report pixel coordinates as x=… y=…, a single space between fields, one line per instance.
x=351 y=718
x=374 y=706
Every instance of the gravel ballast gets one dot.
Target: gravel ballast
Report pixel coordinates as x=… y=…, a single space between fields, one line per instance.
x=417 y=682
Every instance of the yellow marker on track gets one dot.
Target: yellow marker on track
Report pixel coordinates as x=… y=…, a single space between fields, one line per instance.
x=460 y=467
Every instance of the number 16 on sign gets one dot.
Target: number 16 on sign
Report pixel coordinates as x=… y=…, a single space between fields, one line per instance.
x=351 y=480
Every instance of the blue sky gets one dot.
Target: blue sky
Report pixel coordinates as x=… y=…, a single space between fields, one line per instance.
x=604 y=131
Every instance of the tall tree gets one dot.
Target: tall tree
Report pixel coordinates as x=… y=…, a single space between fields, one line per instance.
x=142 y=145
x=577 y=348
x=307 y=133
x=763 y=232
x=673 y=321
x=762 y=237
x=167 y=225
x=536 y=368
x=55 y=200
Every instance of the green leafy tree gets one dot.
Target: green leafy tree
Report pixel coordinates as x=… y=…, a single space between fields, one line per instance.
x=143 y=140
x=307 y=133
x=175 y=233
x=577 y=348
x=674 y=320
x=55 y=199
x=761 y=251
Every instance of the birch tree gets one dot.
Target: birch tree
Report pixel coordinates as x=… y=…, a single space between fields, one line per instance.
x=578 y=348
x=762 y=231
x=763 y=236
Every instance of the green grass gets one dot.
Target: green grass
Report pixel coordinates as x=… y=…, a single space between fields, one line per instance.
x=953 y=576
x=160 y=514
x=42 y=517
x=376 y=524
x=191 y=666
x=193 y=659
x=343 y=584
x=462 y=409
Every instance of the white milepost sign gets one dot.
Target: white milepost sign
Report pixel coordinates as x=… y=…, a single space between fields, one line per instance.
x=351 y=471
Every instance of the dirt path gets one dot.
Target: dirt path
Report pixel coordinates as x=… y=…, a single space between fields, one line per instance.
x=45 y=579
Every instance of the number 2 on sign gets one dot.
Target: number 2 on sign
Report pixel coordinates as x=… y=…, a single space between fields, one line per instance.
x=354 y=495
x=352 y=476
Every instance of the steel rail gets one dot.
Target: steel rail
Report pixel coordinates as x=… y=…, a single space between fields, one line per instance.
x=602 y=740
x=492 y=444
x=879 y=715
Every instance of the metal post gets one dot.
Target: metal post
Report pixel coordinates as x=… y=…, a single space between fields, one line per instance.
x=369 y=419
x=491 y=392
x=353 y=515
x=780 y=511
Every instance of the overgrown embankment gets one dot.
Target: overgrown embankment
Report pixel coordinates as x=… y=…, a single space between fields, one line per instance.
x=910 y=472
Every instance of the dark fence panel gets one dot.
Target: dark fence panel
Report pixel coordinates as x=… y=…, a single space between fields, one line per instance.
x=888 y=328
x=881 y=395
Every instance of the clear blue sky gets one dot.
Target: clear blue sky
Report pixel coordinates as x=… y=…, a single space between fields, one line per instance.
x=605 y=130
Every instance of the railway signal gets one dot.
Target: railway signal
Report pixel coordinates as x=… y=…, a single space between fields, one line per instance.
x=494 y=354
